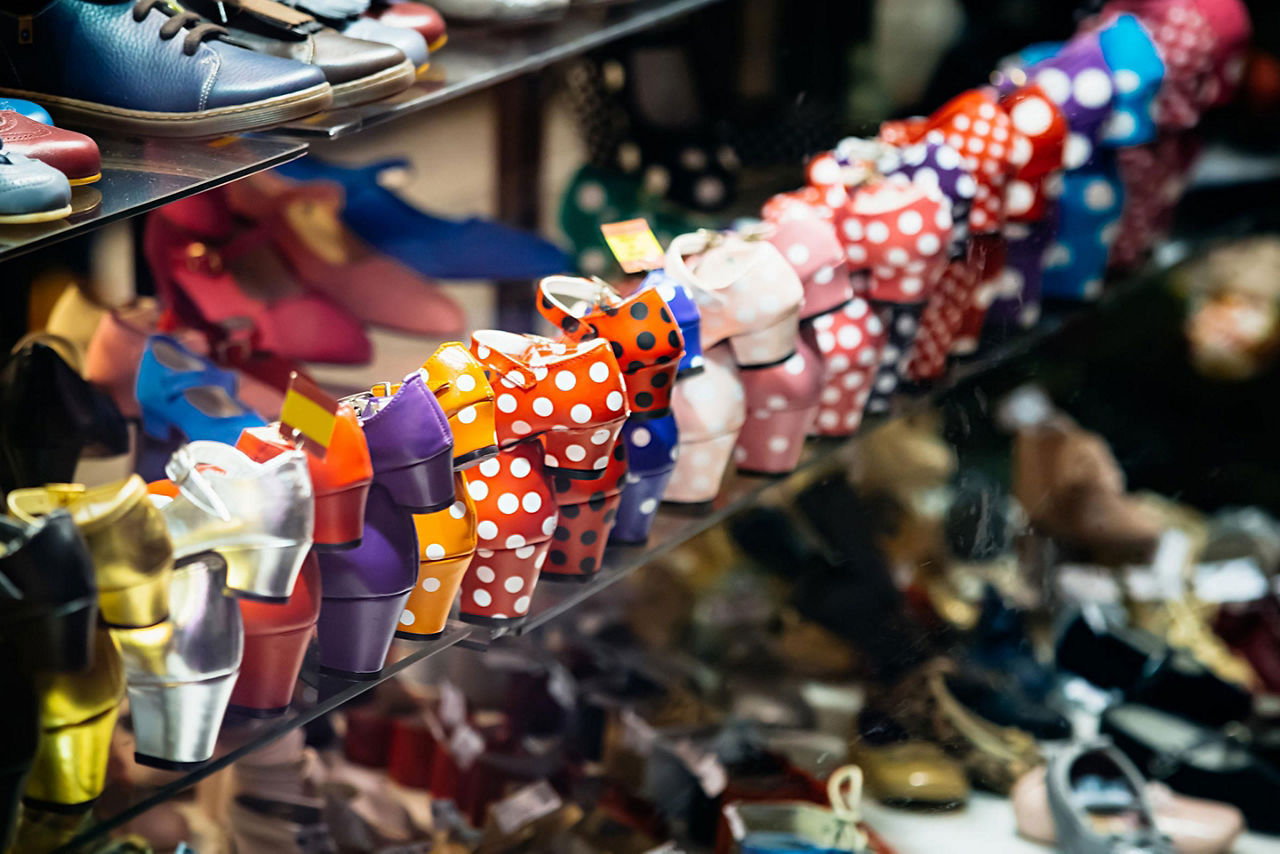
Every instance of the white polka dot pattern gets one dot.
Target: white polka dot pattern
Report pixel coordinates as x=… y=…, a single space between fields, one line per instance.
x=710 y=408
x=849 y=341
x=771 y=439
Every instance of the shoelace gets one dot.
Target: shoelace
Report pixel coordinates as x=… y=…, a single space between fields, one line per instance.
x=198 y=30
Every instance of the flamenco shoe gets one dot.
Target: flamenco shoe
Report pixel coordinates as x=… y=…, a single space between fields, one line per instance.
x=1098 y=804
x=710 y=409
x=746 y=291
x=339 y=481
x=460 y=385
x=182 y=394
x=652 y=450
x=782 y=404
x=447 y=540
x=180 y=673
x=810 y=245
x=276 y=636
x=410 y=444
x=22 y=734
x=260 y=517
x=849 y=340
x=572 y=396
x=77 y=717
x=49 y=603
x=590 y=512
x=127 y=538
x=50 y=416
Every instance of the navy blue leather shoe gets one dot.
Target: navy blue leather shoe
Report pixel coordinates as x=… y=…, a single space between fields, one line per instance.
x=149 y=67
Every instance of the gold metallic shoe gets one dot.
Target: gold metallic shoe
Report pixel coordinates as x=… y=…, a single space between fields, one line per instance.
x=126 y=534
x=902 y=771
x=77 y=717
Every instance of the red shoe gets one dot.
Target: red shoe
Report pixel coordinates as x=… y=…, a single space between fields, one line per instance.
x=572 y=395
x=588 y=510
x=340 y=480
x=412 y=16
x=238 y=292
x=73 y=154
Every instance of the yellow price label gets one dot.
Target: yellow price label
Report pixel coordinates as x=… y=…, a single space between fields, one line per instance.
x=633 y=244
x=309 y=414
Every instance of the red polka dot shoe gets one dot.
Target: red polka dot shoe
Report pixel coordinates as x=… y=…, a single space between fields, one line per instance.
x=446 y=543
x=782 y=403
x=746 y=292
x=640 y=329
x=570 y=395
x=588 y=510
x=710 y=409
x=517 y=516
x=849 y=340
x=944 y=314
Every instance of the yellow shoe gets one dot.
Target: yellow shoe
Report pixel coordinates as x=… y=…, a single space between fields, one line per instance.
x=132 y=555
x=910 y=773
x=77 y=717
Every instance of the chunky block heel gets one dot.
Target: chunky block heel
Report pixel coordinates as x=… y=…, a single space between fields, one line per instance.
x=264 y=574
x=340 y=518
x=498 y=588
x=649 y=389
x=581 y=453
x=473 y=444
x=355 y=634
x=696 y=477
x=177 y=723
x=423 y=487
x=269 y=672
x=582 y=533
x=137 y=606
x=639 y=506
x=427 y=610
x=773 y=343
x=773 y=444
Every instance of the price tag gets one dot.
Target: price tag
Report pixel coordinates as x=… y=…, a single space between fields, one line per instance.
x=704 y=765
x=453 y=706
x=465 y=745
x=308 y=415
x=637 y=735
x=633 y=244
x=526 y=806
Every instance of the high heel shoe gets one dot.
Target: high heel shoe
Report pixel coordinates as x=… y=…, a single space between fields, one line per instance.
x=77 y=717
x=590 y=512
x=127 y=538
x=180 y=673
x=782 y=403
x=181 y=393
x=652 y=450
x=710 y=408
x=48 y=598
x=460 y=385
x=1098 y=803
x=259 y=516
x=340 y=481
x=276 y=636
x=849 y=340
x=447 y=540
x=50 y=416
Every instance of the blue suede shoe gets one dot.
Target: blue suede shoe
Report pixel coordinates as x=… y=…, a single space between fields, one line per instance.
x=181 y=392
x=29 y=109
x=149 y=67
x=440 y=248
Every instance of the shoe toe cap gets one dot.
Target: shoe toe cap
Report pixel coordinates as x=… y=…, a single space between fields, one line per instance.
x=245 y=77
x=345 y=60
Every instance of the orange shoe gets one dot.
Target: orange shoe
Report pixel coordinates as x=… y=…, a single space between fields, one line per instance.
x=340 y=480
x=447 y=542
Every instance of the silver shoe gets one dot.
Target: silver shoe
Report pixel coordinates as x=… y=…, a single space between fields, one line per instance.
x=259 y=516
x=180 y=673
x=1098 y=802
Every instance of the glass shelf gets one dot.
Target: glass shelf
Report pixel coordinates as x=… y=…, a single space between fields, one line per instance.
x=141 y=174
x=475 y=59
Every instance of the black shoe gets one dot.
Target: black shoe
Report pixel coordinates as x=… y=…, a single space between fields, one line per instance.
x=995 y=697
x=49 y=417
x=1149 y=671
x=48 y=596
x=1197 y=761
x=20 y=720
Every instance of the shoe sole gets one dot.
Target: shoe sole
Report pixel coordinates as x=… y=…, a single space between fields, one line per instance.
x=207 y=123
x=39 y=216
x=375 y=87
x=80 y=182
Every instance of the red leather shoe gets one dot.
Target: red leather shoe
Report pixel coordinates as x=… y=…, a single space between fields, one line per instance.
x=572 y=395
x=238 y=291
x=73 y=154
x=411 y=16
x=340 y=480
x=276 y=636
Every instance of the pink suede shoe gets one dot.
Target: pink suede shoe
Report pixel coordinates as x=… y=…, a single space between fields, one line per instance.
x=850 y=341
x=710 y=409
x=782 y=403
x=746 y=292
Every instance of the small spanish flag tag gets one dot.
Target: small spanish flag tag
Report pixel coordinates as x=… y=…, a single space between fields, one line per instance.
x=308 y=415
x=633 y=244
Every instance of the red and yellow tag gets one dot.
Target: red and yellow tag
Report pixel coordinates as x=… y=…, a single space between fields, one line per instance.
x=309 y=415
x=633 y=244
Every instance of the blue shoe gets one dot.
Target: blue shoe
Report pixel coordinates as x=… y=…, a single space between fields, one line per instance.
x=31 y=191
x=439 y=248
x=181 y=392
x=149 y=67
x=30 y=109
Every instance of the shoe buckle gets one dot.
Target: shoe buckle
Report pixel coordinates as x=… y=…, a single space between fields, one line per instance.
x=202 y=258
x=236 y=341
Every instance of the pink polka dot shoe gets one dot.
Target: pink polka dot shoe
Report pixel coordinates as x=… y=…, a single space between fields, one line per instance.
x=446 y=544
x=516 y=513
x=570 y=395
x=809 y=244
x=849 y=341
x=782 y=403
x=588 y=511
x=710 y=409
x=746 y=292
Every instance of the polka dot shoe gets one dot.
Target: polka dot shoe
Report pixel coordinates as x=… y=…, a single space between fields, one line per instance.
x=446 y=543
x=516 y=513
x=945 y=310
x=746 y=292
x=466 y=397
x=588 y=510
x=1185 y=41
x=1017 y=300
x=782 y=403
x=1137 y=74
x=849 y=340
x=809 y=244
x=935 y=165
x=572 y=395
x=685 y=310
x=640 y=329
x=1089 y=216
x=1229 y=20
x=340 y=480
x=1154 y=177
x=276 y=637
x=652 y=451
x=710 y=409
x=365 y=589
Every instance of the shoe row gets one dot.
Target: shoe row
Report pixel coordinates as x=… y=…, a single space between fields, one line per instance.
x=40 y=164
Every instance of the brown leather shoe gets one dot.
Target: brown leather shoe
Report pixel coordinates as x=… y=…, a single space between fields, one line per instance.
x=73 y=154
